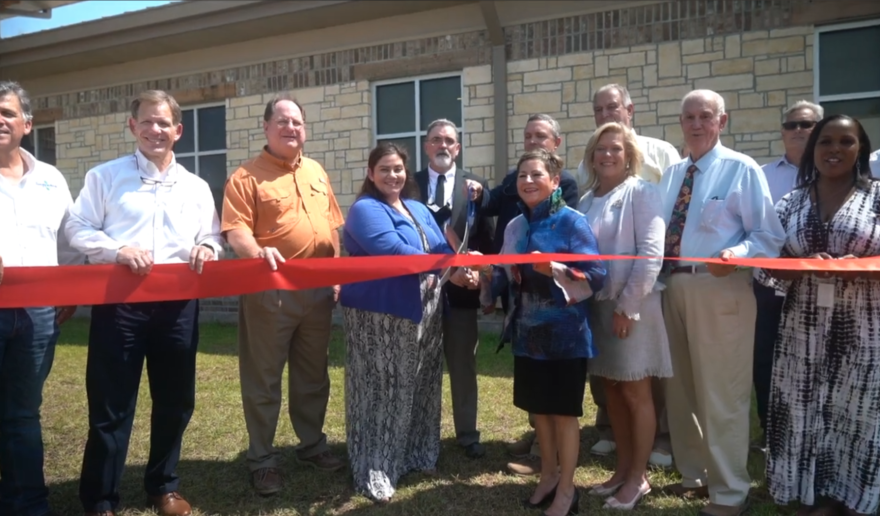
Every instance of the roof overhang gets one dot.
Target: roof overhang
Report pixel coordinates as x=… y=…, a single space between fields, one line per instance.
x=30 y=8
x=184 y=26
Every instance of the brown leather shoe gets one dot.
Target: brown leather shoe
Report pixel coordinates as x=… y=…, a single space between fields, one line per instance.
x=171 y=504
x=266 y=481
x=521 y=448
x=688 y=493
x=324 y=461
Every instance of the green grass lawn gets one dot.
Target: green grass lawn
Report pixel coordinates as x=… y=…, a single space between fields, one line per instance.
x=215 y=478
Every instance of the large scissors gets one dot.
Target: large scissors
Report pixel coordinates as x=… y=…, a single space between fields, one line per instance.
x=459 y=245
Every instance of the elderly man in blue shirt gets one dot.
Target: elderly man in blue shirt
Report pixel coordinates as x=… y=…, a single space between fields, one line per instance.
x=716 y=205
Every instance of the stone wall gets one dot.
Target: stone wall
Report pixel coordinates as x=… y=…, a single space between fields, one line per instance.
x=83 y=143
x=758 y=73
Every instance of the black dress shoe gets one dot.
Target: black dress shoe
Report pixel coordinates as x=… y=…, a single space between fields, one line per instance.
x=573 y=509
x=474 y=450
x=547 y=500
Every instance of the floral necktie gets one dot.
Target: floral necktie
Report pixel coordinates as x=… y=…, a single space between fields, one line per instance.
x=679 y=216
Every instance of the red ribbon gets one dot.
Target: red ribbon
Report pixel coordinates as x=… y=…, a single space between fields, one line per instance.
x=100 y=284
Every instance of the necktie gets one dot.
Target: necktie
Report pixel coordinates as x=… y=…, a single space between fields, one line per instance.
x=679 y=217
x=440 y=192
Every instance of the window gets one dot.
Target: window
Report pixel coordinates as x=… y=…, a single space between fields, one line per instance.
x=403 y=110
x=845 y=83
x=44 y=150
x=202 y=148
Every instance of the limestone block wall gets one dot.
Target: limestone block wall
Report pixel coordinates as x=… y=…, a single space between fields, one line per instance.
x=83 y=143
x=758 y=73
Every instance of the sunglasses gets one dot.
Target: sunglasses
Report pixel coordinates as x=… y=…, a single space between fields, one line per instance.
x=803 y=124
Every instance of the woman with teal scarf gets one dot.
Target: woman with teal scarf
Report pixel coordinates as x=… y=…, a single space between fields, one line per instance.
x=547 y=326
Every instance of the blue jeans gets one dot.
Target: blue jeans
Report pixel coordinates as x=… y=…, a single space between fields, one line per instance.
x=27 y=348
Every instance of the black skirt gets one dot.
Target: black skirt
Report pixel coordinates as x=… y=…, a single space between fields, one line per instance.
x=550 y=387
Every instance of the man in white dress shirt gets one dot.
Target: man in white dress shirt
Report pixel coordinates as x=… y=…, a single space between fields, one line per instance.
x=612 y=103
x=875 y=164
x=139 y=210
x=34 y=200
x=781 y=175
x=716 y=205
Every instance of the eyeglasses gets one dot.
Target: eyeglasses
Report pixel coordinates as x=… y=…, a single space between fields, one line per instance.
x=802 y=124
x=283 y=123
x=156 y=182
x=436 y=141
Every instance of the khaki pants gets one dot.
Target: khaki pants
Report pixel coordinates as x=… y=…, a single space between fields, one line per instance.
x=711 y=327
x=279 y=327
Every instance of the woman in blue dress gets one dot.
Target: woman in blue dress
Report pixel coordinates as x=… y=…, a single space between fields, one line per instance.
x=547 y=326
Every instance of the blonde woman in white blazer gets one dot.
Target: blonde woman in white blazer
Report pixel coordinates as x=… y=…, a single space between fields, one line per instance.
x=625 y=214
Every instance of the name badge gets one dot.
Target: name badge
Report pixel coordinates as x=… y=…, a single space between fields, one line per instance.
x=825 y=295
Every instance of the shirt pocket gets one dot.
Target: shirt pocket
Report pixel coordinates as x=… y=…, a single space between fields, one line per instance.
x=274 y=208
x=715 y=217
x=320 y=196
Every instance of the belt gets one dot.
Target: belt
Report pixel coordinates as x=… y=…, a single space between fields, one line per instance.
x=689 y=269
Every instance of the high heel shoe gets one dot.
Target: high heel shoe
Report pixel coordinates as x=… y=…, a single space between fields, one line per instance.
x=614 y=503
x=573 y=509
x=547 y=500
x=601 y=490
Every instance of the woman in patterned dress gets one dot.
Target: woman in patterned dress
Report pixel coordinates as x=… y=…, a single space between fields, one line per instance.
x=824 y=417
x=547 y=324
x=394 y=355
x=626 y=216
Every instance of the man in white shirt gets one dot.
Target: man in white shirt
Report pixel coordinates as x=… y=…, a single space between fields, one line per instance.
x=612 y=103
x=140 y=210
x=34 y=201
x=443 y=188
x=716 y=205
x=875 y=164
x=781 y=175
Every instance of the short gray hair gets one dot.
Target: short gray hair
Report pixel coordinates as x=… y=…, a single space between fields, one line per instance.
x=440 y=122
x=817 y=110
x=14 y=88
x=624 y=93
x=706 y=94
x=542 y=117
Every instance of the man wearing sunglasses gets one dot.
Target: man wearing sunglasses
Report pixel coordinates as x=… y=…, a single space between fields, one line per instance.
x=781 y=174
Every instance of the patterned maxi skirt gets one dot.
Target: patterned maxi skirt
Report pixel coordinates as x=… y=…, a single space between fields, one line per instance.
x=393 y=390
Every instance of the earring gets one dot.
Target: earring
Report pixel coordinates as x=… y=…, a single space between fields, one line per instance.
x=858 y=168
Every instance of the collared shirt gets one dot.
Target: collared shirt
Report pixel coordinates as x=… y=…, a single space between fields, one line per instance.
x=781 y=177
x=730 y=207
x=657 y=156
x=875 y=164
x=31 y=214
x=447 y=190
x=130 y=202
x=290 y=208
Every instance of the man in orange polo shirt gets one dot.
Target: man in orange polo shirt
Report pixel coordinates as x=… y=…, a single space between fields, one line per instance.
x=280 y=206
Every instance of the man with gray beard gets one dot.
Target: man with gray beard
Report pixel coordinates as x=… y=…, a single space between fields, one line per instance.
x=443 y=188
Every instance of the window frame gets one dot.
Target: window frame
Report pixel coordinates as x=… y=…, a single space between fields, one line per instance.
x=417 y=134
x=36 y=140
x=196 y=152
x=839 y=27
